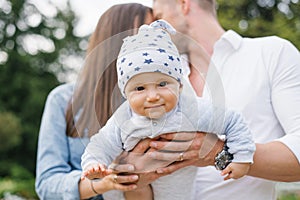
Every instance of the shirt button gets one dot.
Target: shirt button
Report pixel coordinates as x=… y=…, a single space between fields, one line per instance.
x=154 y=123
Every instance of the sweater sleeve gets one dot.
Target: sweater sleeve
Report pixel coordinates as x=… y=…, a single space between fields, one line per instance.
x=238 y=137
x=104 y=146
x=228 y=123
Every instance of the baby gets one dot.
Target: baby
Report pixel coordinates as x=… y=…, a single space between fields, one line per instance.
x=150 y=78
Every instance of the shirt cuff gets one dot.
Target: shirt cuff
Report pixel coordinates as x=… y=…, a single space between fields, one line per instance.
x=71 y=185
x=245 y=157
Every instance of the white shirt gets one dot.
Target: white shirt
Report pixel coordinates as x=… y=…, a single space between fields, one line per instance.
x=260 y=78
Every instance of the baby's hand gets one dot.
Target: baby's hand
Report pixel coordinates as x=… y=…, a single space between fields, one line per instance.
x=235 y=170
x=95 y=171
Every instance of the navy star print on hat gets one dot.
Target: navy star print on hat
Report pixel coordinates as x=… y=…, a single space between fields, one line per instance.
x=150 y=50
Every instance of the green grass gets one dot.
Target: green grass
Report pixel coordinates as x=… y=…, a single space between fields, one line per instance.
x=289 y=196
x=23 y=188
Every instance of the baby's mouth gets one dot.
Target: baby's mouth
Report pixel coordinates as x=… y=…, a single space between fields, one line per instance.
x=154 y=106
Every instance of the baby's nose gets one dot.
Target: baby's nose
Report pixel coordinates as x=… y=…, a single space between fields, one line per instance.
x=152 y=95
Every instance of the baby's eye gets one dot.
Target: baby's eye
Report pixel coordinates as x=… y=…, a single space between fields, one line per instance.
x=139 y=88
x=163 y=83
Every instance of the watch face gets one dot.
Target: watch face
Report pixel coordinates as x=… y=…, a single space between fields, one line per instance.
x=223 y=159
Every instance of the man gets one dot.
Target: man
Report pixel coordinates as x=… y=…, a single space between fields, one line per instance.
x=261 y=78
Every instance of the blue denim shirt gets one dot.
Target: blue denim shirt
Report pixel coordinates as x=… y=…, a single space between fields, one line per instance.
x=59 y=156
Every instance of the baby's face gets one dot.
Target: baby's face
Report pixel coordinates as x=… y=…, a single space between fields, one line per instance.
x=152 y=94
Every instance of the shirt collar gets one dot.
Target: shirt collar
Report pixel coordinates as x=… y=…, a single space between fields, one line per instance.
x=229 y=42
x=232 y=38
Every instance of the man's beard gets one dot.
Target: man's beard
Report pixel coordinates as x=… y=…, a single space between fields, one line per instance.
x=182 y=42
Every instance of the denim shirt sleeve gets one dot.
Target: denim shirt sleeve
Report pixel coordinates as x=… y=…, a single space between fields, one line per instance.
x=55 y=177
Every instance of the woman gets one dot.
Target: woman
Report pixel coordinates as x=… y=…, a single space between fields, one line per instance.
x=73 y=113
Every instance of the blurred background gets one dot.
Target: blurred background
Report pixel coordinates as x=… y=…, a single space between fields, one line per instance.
x=42 y=45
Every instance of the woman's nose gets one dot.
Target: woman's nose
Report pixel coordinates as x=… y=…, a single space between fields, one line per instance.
x=152 y=95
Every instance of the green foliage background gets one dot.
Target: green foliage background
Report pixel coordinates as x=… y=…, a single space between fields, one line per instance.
x=27 y=76
x=262 y=18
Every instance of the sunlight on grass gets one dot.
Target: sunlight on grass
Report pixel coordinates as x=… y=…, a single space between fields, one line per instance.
x=6 y=185
x=23 y=188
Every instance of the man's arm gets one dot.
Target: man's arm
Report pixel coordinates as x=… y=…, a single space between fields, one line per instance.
x=272 y=161
x=275 y=161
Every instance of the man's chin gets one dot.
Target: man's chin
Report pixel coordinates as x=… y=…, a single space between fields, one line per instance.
x=181 y=43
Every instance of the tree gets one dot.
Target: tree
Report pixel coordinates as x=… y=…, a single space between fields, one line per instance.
x=33 y=49
x=262 y=18
x=10 y=131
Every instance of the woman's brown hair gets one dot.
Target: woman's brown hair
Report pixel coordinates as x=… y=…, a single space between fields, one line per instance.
x=95 y=94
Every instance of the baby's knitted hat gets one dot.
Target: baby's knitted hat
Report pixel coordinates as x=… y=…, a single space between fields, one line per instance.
x=150 y=50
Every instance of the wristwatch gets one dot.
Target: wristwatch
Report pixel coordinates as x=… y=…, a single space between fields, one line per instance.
x=223 y=158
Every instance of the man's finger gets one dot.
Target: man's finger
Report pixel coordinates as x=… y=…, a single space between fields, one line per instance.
x=180 y=136
x=166 y=156
x=173 y=167
x=194 y=144
x=125 y=187
x=142 y=146
x=210 y=140
x=127 y=178
x=171 y=146
x=121 y=168
x=171 y=156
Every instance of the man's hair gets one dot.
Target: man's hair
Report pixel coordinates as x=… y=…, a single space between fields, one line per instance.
x=208 y=5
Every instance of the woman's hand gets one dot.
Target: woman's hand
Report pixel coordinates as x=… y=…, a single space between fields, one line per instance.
x=89 y=188
x=123 y=182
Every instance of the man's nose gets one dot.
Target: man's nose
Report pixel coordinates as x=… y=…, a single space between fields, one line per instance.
x=152 y=95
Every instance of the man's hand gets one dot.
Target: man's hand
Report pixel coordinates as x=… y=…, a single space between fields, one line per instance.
x=171 y=152
x=198 y=149
x=139 y=158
